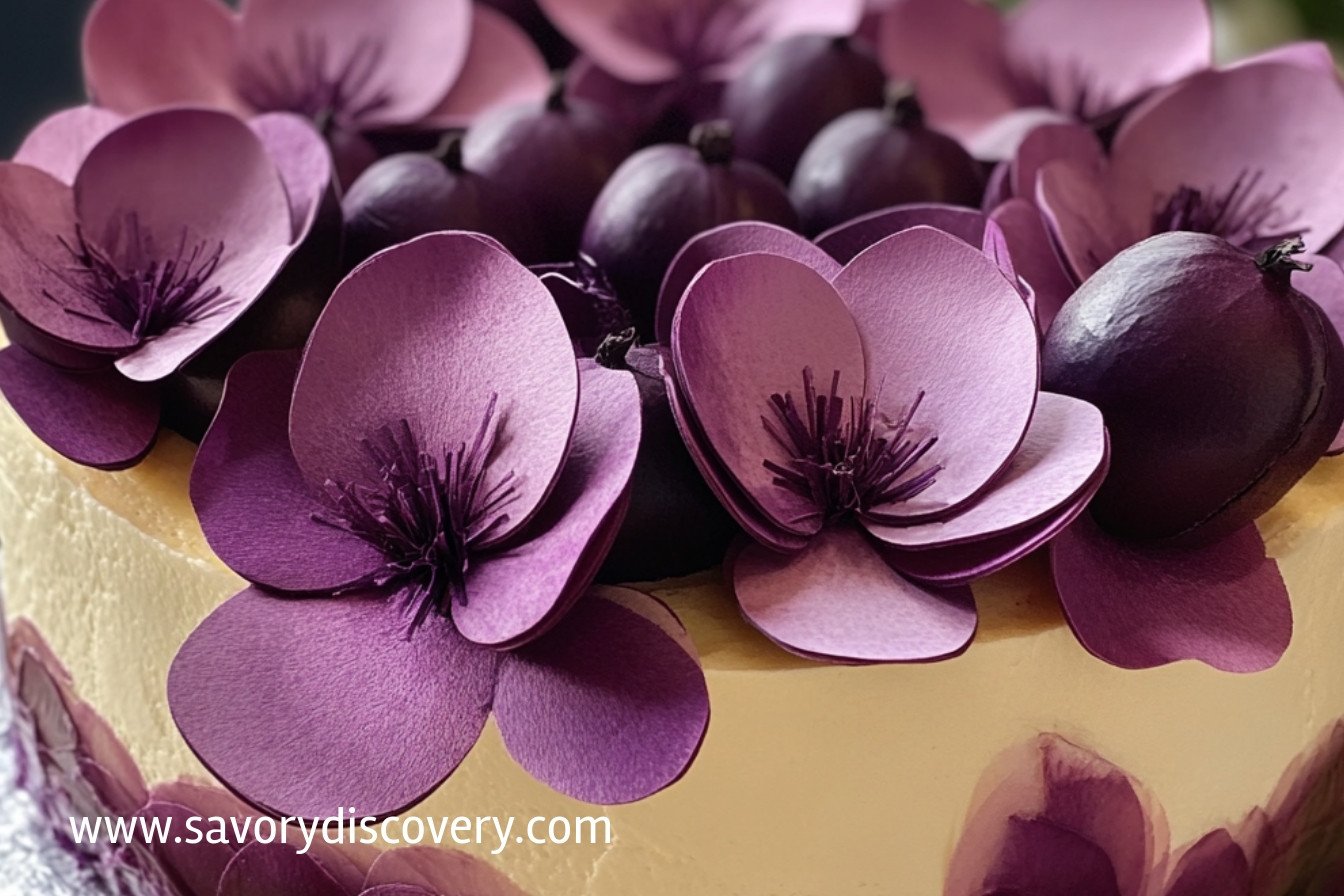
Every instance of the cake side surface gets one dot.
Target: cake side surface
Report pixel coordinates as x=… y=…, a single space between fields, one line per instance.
x=812 y=778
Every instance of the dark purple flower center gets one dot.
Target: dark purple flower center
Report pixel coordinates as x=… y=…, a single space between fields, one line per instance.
x=423 y=512
x=1244 y=214
x=138 y=286
x=846 y=456
x=312 y=82
x=697 y=33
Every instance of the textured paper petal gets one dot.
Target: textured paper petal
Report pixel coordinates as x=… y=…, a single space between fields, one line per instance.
x=737 y=238
x=143 y=54
x=427 y=332
x=398 y=57
x=845 y=241
x=1312 y=55
x=1048 y=143
x=304 y=162
x=1214 y=864
x=1324 y=284
x=1034 y=258
x=515 y=593
x=606 y=708
x=60 y=142
x=1063 y=448
x=746 y=329
x=330 y=668
x=197 y=866
x=773 y=20
x=1138 y=606
x=275 y=869
x=1095 y=57
x=838 y=599
x=96 y=418
x=1003 y=137
x=631 y=39
x=953 y=49
x=252 y=501
x=437 y=870
x=1092 y=217
x=1219 y=126
x=503 y=66
x=938 y=316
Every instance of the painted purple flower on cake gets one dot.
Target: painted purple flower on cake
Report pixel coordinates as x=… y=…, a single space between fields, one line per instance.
x=422 y=514
x=988 y=77
x=350 y=65
x=641 y=57
x=879 y=432
x=128 y=248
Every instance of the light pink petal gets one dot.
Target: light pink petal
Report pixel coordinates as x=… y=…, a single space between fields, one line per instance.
x=304 y=162
x=1003 y=137
x=253 y=504
x=329 y=668
x=1048 y=143
x=746 y=329
x=737 y=238
x=502 y=67
x=60 y=142
x=517 y=592
x=1095 y=57
x=397 y=57
x=940 y=318
x=845 y=241
x=1060 y=454
x=607 y=707
x=774 y=20
x=1221 y=126
x=437 y=870
x=839 y=599
x=1137 y=605
x=1035 y=258
x=428 y=332
x=630 y=39
x=96 y=418
x=1091 y=217
x=953 y=51
x=1324 y=284
x=145 y=54
x=275 y=869
x=1309 y=54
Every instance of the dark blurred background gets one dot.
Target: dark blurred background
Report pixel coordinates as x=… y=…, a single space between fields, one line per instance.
x=39 y=48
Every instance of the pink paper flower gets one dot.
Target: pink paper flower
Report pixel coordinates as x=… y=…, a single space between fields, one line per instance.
x=878 y=430
x=128 y=248
x=988 y=78
x=422 y=504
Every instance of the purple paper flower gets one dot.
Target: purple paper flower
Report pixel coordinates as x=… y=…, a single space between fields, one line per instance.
x=878 y=431
x=642 y=57
x=127 y=248
x=352 y=65
x=988 y=78
x=435 y=493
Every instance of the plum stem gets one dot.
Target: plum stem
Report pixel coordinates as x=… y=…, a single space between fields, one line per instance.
x=612 y=350
x=713 y=140
x=902 y=105
x=555 y=98
x=449 y=152
x=1278 y=260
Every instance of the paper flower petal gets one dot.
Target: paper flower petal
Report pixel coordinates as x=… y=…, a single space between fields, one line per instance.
x=607 y=708
x=427 y=332
x=95 y=418
x=330 y=668
x=144 y=54
x=197 y=866
x=304 y=162
x=725 y=241
x=252 y=501
x=275 y=869
x=1138 y=606
x=1091 y=217
x=407 y=52
x=60 y=142
x=429 y=869
x=628 y=38
x=1048 y=143
x=503 y=66
x=938 y=316
x=1324 y=284
x=746 y=329
x=1095 y=57
x=1219 y=127
x=1034 y=258
x=1312 y=55
x=845 y=241
x=838 y=599
x=1063 y=448
x=1213 y=864
x=514 y=594
x=1043 y=858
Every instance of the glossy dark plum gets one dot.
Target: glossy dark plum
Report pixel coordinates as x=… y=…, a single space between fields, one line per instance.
x=1220 y=383
x=664 y=195
x=872 y=159
x=792 y=89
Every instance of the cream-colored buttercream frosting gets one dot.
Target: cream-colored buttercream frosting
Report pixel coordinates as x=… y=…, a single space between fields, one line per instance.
x=813 y=779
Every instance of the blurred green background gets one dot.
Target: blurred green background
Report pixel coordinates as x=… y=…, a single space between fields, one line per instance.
x=39 y=48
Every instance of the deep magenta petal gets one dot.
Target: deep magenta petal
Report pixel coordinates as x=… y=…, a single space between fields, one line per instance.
x=1214 y=864
x=330 y=668
x=432 y=870
x=305 y=165
x=608 y=707
x=1137 y=606
x=275 y=869
x=845 y=241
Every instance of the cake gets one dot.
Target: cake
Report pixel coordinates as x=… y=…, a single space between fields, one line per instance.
x=1001 y=634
